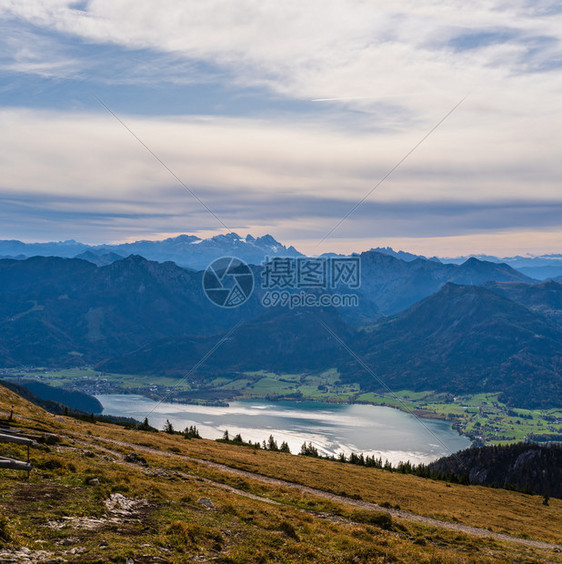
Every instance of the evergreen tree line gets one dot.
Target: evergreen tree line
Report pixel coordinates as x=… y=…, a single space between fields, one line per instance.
x=190 y=432
x=525 y=467
x=270 y=444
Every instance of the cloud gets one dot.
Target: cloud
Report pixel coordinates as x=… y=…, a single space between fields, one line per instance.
x=69 y=152
x=398 y=66
x=386 y=73
x=420 y=226
x=312 y=50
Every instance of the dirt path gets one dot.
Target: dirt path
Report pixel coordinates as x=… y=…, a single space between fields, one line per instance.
x=155 y=471
x=395 y=513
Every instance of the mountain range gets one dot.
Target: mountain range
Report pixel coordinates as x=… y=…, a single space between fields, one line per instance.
x=466 y=339
x=193 y=252
x=56 y=311
x=478 y=326
x=463 y=339
x=185 y=250
x=540 y=267
x=394 y=284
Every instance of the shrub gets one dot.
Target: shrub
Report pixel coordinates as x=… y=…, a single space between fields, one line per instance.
x=289 y=530
x=183 y=532
x=193 y=534
x=378 y=518
x=51 y=464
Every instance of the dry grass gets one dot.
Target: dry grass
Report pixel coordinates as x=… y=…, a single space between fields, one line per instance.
x=496 y=509
x=174 y=527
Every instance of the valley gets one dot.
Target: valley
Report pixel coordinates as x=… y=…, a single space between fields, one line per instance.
x=481 y=417
x=280 y=282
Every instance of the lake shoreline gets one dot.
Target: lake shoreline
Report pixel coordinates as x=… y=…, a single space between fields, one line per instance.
x=418 y=413
x=481 y=417
x=393 y=434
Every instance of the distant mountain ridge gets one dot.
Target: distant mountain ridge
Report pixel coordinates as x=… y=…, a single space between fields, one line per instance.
x=62 y=311
x=394 y=284
x=403 y=255
x=543 y=267
x=190 y=251
x=185 y=250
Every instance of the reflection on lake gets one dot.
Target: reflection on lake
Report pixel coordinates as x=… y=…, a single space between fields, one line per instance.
x=332 y=428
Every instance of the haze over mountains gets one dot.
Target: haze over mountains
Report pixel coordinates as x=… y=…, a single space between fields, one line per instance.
x=422 y=324
x=540 y=267
x=68 y=311
x=185 y=250
x=464 y=339
x=191 y=251
x=393 y=284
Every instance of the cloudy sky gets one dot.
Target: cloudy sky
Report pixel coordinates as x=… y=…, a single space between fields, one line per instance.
x=281 y=117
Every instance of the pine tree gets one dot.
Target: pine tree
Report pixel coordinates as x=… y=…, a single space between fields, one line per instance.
x=272 y=444
x=191 y=432
x=309 y=450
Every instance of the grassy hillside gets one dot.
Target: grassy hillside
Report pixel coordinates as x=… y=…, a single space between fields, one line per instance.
x=103 y=493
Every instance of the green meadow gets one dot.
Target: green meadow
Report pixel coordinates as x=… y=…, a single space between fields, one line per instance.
x=483 y=417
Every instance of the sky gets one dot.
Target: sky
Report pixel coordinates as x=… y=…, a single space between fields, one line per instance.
x=433 y=127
